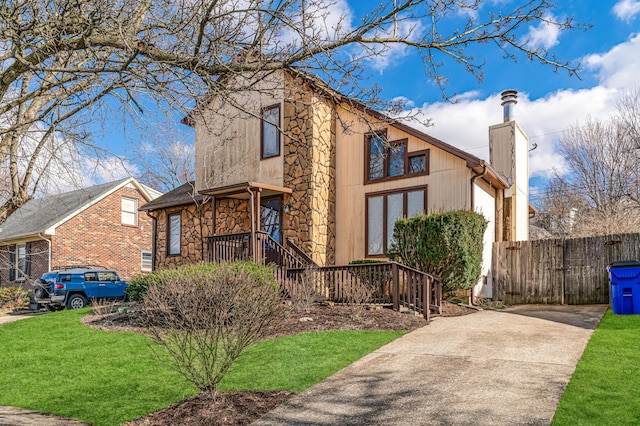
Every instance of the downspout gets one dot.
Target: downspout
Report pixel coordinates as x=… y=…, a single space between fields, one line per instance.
x=49 y=254
x=253 y=225
x=473 y=180
x=473 y=208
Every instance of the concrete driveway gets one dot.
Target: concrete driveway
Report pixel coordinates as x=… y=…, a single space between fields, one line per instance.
x=507 y=367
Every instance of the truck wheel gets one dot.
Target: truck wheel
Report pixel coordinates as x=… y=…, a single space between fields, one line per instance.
x=76 y=301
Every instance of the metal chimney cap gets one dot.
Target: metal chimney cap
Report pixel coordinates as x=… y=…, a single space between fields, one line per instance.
x=509 y=96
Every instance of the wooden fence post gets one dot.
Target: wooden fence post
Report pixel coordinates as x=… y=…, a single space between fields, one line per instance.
x=426 y=296
x=396 y=286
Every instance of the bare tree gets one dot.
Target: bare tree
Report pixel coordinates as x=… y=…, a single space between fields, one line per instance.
x=164 y=161
x=62 y=58
x=599 y=193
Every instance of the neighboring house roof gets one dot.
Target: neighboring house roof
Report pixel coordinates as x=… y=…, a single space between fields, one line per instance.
x=180 y=196
x=478 y=165
x=43 y=215
x=538 y=233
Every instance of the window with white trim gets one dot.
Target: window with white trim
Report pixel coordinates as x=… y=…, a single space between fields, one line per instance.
x=146 y=261
x=129 y=211
x=21 y=264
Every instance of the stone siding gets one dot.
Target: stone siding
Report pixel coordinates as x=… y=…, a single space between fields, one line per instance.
x=232 y=216
x=309 y=170
x=195 y=223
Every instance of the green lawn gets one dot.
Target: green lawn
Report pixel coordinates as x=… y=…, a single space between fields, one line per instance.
x=605 y=388
x=54 y=364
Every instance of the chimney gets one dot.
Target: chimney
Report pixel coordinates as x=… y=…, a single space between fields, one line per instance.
x=509 y=101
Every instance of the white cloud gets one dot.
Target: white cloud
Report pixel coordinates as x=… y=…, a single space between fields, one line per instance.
x=545 y=35
x=324 y=20
x=626 y=10
x=465 y=124
x=383 y=57
x=107 y=169
x=404 y=100
x=618 y=68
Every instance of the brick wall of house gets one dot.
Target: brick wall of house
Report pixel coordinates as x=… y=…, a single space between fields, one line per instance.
x=195 y=223
x=97 y=236
x=39 y=256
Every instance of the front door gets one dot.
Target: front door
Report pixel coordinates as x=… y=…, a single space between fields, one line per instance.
x=271 y=217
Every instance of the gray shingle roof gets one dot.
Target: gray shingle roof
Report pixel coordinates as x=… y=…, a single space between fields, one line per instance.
x=38 y=215
x=184 y=194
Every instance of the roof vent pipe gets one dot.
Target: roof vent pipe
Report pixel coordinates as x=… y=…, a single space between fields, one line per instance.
x=509 y=101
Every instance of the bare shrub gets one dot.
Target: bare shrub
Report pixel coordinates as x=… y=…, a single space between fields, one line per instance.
x=13 y=298
x=306 y=292
x=358 y=294
x=206 y=317
x=104 y=306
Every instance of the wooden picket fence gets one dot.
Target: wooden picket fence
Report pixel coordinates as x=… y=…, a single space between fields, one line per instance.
x=559 y=271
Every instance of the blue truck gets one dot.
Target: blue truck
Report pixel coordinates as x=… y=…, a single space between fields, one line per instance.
x=73 y=288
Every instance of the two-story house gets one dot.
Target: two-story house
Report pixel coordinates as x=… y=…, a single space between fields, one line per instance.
x=303 y=167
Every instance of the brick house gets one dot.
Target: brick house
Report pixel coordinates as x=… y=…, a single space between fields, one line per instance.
x=302 y=167
x=99 y=225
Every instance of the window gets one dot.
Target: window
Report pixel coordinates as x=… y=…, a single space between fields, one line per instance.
x=173 y=234
x=396 y=159
x=270 y=132
x=387 y=161
x=107 y=276
x=383 y=209
x=376 y=157
x=21 y=265
x=418 y=162
x=147 y=260
x=129 y=211
x=90 y=277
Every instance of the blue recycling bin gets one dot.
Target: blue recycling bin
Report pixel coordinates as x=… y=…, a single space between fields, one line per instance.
x=624 y=278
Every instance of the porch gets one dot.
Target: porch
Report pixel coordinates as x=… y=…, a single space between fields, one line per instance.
x=386 y=283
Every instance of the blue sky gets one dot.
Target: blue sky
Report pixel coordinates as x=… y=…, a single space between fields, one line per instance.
x=548 y=102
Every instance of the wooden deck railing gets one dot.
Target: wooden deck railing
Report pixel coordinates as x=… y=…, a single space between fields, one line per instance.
x=387 y=283
x=379 y=283
x=229 y=247
x=233 y=247
x=300 y=253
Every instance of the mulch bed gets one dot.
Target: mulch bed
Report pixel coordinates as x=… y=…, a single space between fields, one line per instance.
x=241 y=408
x=226 y=408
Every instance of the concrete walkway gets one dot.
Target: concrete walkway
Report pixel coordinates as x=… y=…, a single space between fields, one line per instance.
x=506 y=367
x=488 y=368
x=11 y=318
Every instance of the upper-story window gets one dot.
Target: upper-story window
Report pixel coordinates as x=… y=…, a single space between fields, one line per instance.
x=270 y=132
x=391 y=160
x=129 y=211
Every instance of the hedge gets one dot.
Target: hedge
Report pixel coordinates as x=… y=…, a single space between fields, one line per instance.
x=445 y=244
